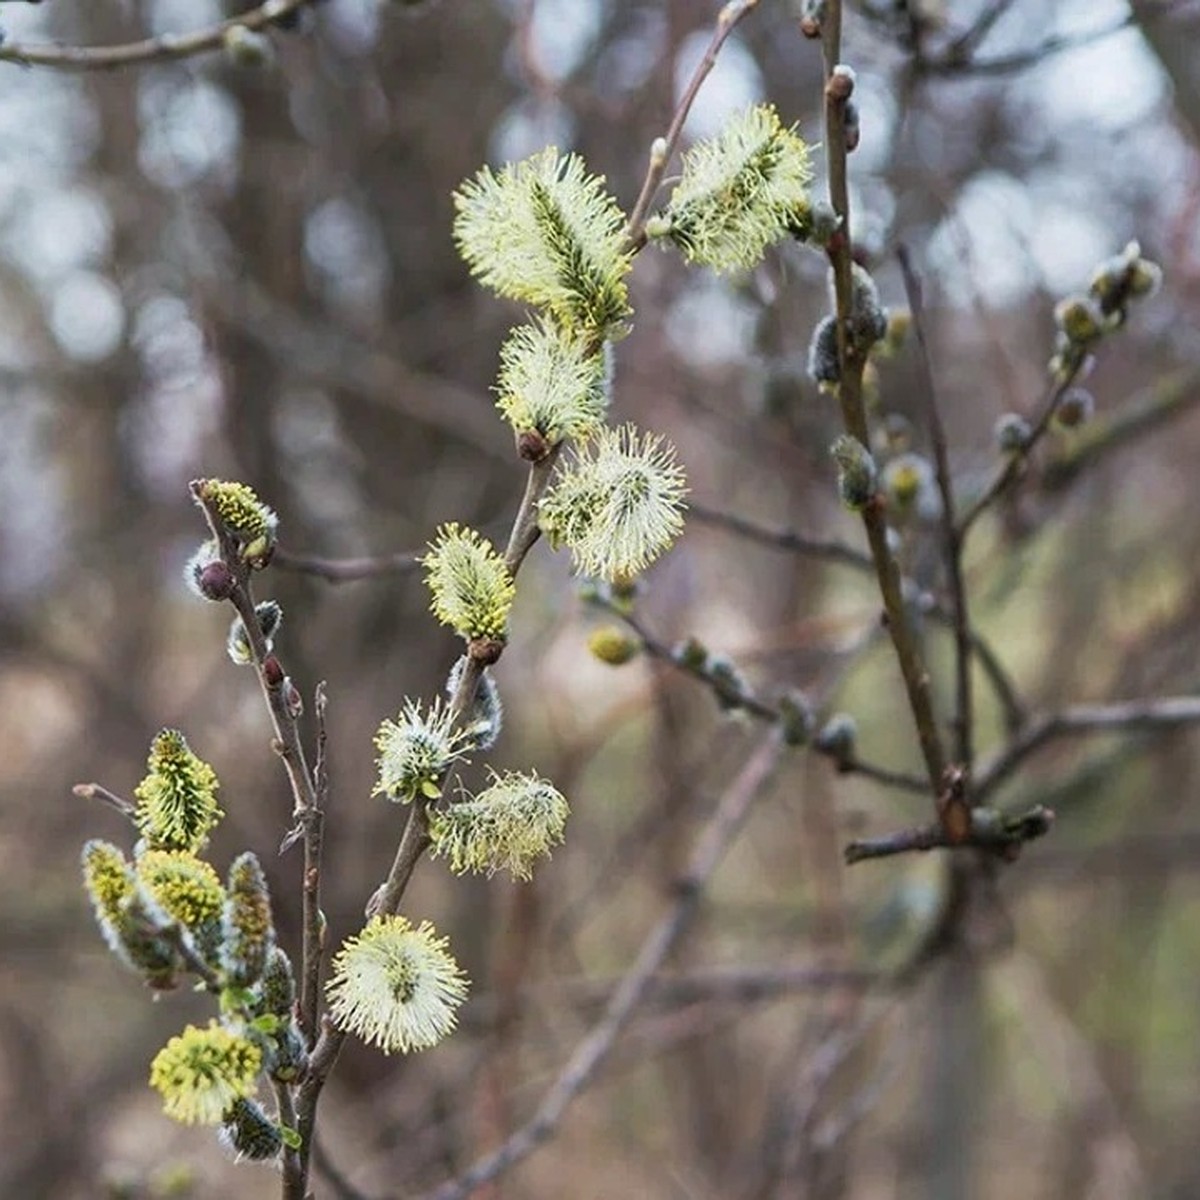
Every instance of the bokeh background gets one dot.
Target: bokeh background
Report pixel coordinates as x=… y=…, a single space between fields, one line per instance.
x=208 y=270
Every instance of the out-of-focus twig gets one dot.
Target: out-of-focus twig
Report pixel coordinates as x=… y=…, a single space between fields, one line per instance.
x=989 y=830
x=1123 y=717
x=164 y=48
x=718 y=834
x=345 y=570
x=734 y=694
x=1108 y=432
x=964 y=715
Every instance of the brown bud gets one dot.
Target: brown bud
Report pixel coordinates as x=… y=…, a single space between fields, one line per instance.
x=292 y=699
x=272 y=671
x=532 y=446
x=485 y=650
x=216 y=581
x=841 y=83
x=810 y=27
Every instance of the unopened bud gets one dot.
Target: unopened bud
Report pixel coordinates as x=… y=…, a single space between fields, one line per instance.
x=216 y=581
x=1075 y=408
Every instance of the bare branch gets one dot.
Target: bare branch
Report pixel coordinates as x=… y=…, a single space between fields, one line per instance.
x=964 y=714
x=345 y=570
x=163 y=48
x=590 y=1054
x=989 y=830
x=1128 y=716
x=661 y=152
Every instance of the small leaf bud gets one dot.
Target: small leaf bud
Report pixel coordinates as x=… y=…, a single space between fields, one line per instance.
x=246 y=48
x=795 y=718
x=812 y=13
x=824 y=366
x=612 y=645
x=216 y=581
x=841 y=82
x=691 y=654
x=532 y=446
x=868 y=317
x=292 y=700
x=1079 y=319
x=1075 y=408
x=728 y=685
x=856 y=472
x=851 y=125
x=1145 y=277
x=838 y=738
x=272 y=670
x=1012 y=433
x=825 y=223
x=485 y=650
x=910 y=486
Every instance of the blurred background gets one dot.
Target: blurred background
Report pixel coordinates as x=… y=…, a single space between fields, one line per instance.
x=209 y=270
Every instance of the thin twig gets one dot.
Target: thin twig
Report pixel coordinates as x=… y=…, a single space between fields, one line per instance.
x=163 y=48
x=1013 y=465
x=1121 y=717
x=835 y=551
x=313 y=832
x=718 y=834
x=828 y=549
x=989 y=830
x=964 y=714
x=661 y=152
x=852 y=360
x=96 y=791
x=295 y=1172
x=1107 y=432
x=954 y=66
x=969 y=40
x=345 y=570
x=735 y=695
x=278 y=692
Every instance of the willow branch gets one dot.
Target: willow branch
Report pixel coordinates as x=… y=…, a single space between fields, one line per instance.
x=1108 y=432
x=661 y=152
x=735 y=695
x=1010 y=471
x=852 y=360
x=345 y=570
x=964 y=715
x=828 y=549
x=989 y=830
x=1122 y=717
x=163 y=48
